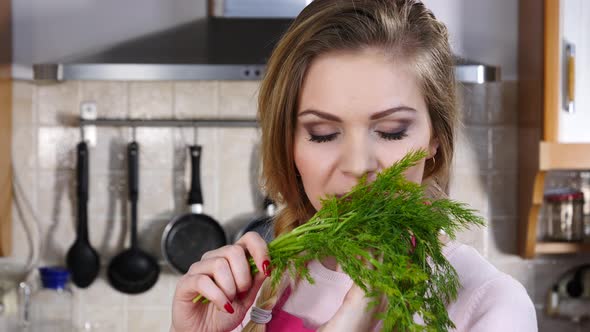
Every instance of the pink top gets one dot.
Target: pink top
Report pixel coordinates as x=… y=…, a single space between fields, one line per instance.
x=283 y=321
x=488 y=299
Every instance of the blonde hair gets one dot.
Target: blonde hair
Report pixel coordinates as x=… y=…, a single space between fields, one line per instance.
x=403 y=29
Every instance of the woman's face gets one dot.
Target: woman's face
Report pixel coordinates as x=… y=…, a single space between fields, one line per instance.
x=359 y=112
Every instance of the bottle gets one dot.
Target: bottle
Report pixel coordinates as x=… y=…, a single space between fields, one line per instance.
x=51 y=307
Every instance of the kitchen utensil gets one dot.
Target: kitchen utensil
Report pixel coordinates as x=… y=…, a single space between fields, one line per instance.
x=569 y=296
x=261 y=225
x=187 y=237
x=82 y=260
x=133 y=270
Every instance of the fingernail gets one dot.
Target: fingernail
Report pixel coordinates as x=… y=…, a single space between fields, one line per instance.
x=229 y=308
x=266 y=268
x=242 y=296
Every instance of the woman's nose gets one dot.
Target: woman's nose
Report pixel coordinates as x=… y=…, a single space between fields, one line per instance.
x=358 y=158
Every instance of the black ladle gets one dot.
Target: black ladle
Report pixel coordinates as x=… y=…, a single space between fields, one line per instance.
x=133 y=271
x=82 y=260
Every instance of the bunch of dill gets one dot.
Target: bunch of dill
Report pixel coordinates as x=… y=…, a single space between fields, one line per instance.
x=385 y=236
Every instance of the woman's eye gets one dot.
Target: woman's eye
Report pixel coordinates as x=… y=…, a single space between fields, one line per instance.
x=392 y=136
x=322 y=138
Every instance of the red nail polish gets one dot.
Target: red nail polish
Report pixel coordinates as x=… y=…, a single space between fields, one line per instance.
x=266 y=268
x=229 y=308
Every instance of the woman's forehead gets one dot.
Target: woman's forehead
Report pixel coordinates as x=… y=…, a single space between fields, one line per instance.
x=359 y=80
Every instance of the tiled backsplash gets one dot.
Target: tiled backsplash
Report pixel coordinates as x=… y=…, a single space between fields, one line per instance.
x=484 y=175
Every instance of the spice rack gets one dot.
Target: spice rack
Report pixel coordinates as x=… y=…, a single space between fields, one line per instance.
x=551 y=157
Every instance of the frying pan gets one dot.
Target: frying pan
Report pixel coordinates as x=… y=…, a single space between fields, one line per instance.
x=261 y=225
x=187 y=237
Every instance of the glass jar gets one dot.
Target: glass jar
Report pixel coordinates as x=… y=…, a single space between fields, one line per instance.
x=564 y=215
x=585 y=188
x=51 y=307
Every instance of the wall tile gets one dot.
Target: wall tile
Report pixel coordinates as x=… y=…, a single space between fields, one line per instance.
x=503 y=148
x=491 y=103
x=155 y=148
x=100 y=293
x=473 y=148
x=111 y=98
x=471 y=188
x=57 y=214
x=25 y=198
x=148 y=100
x=155 y=194
x=502 y=194
x=237 y=181
x=503 y=239
x=196 y=99
x=58 y=103
x=110 y=151
x=107 y=212
x=142 y=320
x=238 y=99
x=56 y=147
x=21 y=249
x=23 y=103
x=24 y=143
x=473 y=97
x=102 y=319
x=157 y=297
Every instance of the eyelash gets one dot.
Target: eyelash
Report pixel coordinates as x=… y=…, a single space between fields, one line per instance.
x=322 y=138
x=393 y=136
x=384 y=135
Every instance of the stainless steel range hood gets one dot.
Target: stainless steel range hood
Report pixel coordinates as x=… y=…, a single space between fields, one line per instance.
x=211 y=48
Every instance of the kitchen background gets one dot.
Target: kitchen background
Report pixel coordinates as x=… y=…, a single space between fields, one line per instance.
x=484 y=173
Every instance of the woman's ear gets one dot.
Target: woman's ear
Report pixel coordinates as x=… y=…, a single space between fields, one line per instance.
x=433 y=147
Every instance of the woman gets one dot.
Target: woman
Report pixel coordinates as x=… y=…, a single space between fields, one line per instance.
x=350 y=89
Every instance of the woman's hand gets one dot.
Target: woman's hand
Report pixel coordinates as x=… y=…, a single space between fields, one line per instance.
x=222 y=276
x=353 y=314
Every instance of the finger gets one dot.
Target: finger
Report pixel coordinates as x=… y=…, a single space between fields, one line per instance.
x=219 y=270
x=193 y=285
x=255 y=245
x=239 y=266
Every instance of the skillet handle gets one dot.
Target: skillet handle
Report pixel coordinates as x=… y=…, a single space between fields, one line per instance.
x=195 y=195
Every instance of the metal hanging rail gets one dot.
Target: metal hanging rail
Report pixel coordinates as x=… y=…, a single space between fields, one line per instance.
x=216 y=122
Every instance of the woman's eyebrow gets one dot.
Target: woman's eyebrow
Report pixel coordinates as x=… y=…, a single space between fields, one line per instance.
x=392 y=110
x=375 y=116
x=320 y=114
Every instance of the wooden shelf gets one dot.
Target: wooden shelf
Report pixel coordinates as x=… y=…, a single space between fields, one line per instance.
x=564 y=156
x=550 y=248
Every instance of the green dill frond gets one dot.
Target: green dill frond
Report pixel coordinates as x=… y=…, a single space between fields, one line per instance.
x=369 y=232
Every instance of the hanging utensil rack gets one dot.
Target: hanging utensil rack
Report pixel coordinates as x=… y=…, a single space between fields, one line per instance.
x=203 y=122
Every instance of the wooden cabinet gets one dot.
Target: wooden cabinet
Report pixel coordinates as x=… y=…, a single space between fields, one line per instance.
x=552 y=135
x=5 y=128
x=573 y=117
